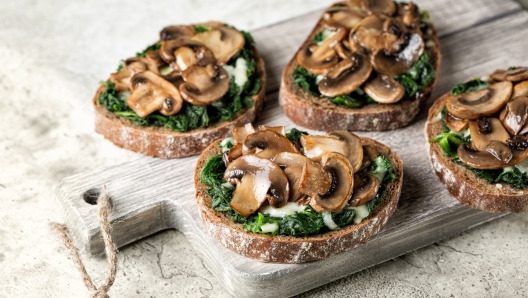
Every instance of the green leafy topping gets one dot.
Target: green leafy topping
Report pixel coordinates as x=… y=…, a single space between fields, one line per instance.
x=255 y=224
x=155 y=46
x=382 y=168
x=356 y=99
x=417 y=77
x=469 y=86
x=512 y=68
x=319 y=37
x=344 y=217
x=226 y=144
x=449 y=141
x=514 y=177
x=202 y=28
x=295 y=135
x=306 y=80
x=121 y=65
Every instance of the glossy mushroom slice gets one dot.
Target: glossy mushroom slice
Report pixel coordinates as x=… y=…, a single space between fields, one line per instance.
x=484 y=160
x=184 y=52
x=384 y=89
x=514 y=114
x=512 y=75
x=175 y=32
x=486 y=130
x=131 y=66
x=354 y=147
x=480 y=103
x=204 y=85
x=152 y=93
x=520 y=89
x=394 y=35
x=346 y=15
x=304 y=175
x=387 y=7
x=258 y=180
x=224 y=42
x=278 y=129
x=342 y=184
x=241 y=132
x=370 y=152
x=368 y=33
x=346 y=76
x=396 y=63
x=267 y=144
x=500 y=151
x=155 y=57
x=455 y=123
x=234 y=152
x=319 y=59
x=316 y=146
x=409 y=14
x=366 y=187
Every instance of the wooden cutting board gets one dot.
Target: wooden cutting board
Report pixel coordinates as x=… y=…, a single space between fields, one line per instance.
x=149 y=194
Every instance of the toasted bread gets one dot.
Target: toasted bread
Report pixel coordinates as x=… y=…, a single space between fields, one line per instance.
x=289 y=249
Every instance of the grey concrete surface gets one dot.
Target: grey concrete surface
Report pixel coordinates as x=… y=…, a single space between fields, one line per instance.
x=52 y=56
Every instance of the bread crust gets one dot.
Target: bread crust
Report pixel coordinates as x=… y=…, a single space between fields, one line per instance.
x=462 y=183
x=164 y=142
x=318 y=113
x=289 y=249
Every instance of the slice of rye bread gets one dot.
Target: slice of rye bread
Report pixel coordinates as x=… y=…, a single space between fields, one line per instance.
x=167 y=143
x=289 y=249
x=462 y=183
x=318 y=113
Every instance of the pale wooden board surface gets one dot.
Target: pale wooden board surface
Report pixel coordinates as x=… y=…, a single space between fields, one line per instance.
x=472 y=34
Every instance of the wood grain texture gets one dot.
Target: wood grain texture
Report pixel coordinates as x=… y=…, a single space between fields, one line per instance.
x=150 y=195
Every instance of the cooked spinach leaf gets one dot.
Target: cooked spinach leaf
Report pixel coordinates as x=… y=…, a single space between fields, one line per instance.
x=306 y=80
x=469 y=86
x=356 y=99
x=344 y=217
x=417 y=77
x=202 y=28
x=155 y=46
x=514 y=177
x=295 y=135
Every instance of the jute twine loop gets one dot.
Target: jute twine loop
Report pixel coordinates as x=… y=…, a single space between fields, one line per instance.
x=61 y=231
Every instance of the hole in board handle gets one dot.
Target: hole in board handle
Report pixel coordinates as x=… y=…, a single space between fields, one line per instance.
x=91 y=195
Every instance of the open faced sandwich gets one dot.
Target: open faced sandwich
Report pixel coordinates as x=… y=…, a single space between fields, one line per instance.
x=293 y=197
x=367 y=65
x=182 y=92
x=478 y=141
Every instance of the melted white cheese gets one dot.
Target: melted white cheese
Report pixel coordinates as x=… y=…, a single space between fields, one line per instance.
x=238 y=72
x=290 y=208
x=361 y=213
x=224 y=143
x=326 y=35
x=269 y=227
x=523 y=166
x=165 y=70
x=329 y=221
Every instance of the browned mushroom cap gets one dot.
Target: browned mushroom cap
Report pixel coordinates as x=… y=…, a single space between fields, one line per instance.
x=480 y=103
x=513 y=75
x=183 y=52
x=131 y=66
x=241 y=132
x=344 y=49
x=346 y=15
x=267 y=143
x=224 y=42
x=484 y=160
x=257 y=180
x=368 y=33
x=500 y=151
x=387 y=7
x=155 y=57
x=366 y=187
x=319 y=59
x=342 y=184
x=175 y=78
x=514 y=114
x=354 y=147
x=394 y=35
x=300 y=169
x=151 y=93
x=520 y=89
x=409 y=14
x=455 y=123
x=384 y=89
x=278 y=129
x=234 y=152
x=175 y=32
x=396 y=63
x=346 y=76
x=316 y=146
x=204 y=85
x=495 y=131
x=370 y=152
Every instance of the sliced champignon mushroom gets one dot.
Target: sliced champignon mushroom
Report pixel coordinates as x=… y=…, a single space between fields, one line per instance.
x=512 y=75
x=204 y=85
x=301 y=170
x=175 y=32
x=184 y=52
x=500 y=151
x=155 y=57
x=368 y=33
x=387 y=7
x=354 y=147
x=346 y=76
x=278 y=129
x=455 y=123
x=319 y=59
x=370 y=152
x=151 y=92
x=224 y=42
x=480 y=103
x=480 y=139
x=316 y=146
x=234 y=152
x=520 y=89
x=131 y=66
x=267 y=144
x=342 y=184
x=175 y=78
x=345 y=15
x=257 y=180
x=393 y=35
x=344 y=49
x=366 y=187
x=396 y=63
x=409 y=14
x=514 y=114
x=241 y=132
x=484 y=160
x=384 y=89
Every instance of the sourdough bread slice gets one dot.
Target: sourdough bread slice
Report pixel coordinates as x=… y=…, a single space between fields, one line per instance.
x=462 y=183
x=289 y=249
x=164 y=142
x=318 y=113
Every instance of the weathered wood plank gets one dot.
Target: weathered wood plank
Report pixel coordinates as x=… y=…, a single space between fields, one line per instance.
x=150 y=194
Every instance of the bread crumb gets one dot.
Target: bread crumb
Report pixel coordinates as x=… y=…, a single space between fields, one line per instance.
x=498 y=185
